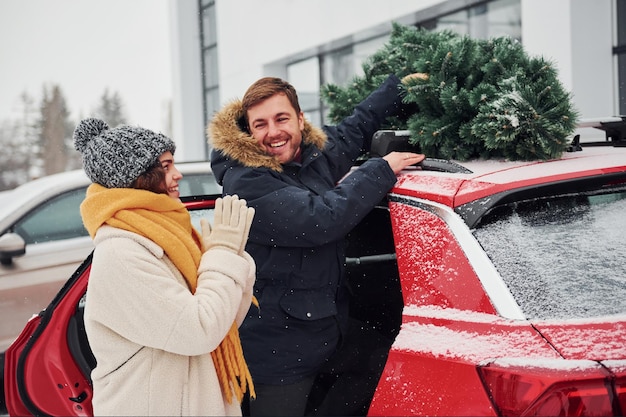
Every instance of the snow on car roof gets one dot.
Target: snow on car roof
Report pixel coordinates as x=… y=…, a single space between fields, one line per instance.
x=489 y=177
x=33 y=192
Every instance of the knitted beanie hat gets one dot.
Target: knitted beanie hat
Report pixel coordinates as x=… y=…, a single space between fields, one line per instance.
x=114 y=158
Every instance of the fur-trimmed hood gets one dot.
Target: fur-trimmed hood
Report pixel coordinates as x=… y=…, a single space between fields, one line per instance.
x=226 y=134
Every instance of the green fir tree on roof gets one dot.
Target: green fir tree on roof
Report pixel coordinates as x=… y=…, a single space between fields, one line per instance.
x=477 y=98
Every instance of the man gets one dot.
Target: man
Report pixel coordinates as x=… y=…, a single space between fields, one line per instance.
x=290 y=171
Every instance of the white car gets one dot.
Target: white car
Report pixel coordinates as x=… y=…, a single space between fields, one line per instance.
x=43 y=241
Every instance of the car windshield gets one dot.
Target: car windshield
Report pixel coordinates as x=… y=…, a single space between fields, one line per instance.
x=561 y=257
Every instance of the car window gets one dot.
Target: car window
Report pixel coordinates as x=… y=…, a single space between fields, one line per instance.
x=196 y=215
x=198 y=184
x=561 y=257
x=56 y=219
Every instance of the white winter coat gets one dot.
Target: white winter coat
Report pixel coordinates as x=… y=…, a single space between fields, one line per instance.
x=151 y=336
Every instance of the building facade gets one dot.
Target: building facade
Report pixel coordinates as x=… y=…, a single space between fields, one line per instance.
x=221 y=47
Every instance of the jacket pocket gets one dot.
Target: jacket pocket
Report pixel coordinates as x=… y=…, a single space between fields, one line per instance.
x=309 y=304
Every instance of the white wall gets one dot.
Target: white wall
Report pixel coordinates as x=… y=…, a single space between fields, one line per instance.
x=577 y=35
x=187 y=110
x=574 y=34
x=252 y=33
x=592 y=60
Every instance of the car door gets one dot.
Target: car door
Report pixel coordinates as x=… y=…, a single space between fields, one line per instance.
x=56 y=243
x=47 y=369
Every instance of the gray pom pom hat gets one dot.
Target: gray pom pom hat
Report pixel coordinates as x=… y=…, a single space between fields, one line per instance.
x=114 y=158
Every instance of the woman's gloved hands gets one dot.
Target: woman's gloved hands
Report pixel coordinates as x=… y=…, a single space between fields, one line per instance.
x=231 y=225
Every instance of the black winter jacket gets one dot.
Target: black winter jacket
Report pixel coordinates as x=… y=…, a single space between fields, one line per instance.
x=303 y=212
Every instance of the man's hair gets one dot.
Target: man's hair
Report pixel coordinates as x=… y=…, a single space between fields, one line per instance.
x=265 y=88
x=152 y=180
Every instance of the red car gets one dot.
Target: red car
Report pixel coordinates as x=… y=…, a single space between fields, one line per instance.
x=500 y=287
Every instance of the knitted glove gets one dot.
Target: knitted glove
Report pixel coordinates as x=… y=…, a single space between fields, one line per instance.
x=231 y=225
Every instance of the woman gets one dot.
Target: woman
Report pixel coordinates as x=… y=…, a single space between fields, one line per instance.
x=163 y=301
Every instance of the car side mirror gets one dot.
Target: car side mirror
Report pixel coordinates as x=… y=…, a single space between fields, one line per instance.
x=11 y=245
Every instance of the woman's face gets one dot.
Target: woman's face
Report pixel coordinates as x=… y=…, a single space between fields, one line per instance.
x=172 y=174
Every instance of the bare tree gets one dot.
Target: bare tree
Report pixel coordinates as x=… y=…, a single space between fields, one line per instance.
x=13 y=160
x=29 y=133
x=56 y=131
x=19 y=143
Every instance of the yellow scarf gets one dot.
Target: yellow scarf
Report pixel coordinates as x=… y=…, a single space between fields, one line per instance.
x=166 y=222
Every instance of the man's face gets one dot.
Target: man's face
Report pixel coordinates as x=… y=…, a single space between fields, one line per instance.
x=277 y=127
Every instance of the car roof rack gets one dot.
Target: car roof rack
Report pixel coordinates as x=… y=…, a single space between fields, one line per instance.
x=386 y=141
x=614 y=128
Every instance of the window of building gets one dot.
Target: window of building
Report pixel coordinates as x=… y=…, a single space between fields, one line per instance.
x=620 y=53
x=306 y=75
x=338 y=65
x=486 y=20
x=210 y=76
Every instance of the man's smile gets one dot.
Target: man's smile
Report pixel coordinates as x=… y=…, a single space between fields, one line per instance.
x=278 y=144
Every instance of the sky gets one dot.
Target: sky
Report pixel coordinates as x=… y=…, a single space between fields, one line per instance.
x=85 y=47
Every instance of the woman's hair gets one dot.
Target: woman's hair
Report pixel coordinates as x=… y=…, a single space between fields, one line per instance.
x=265 y=88
x=152 y=180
